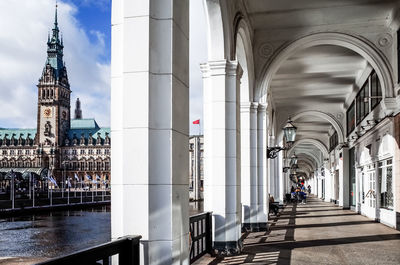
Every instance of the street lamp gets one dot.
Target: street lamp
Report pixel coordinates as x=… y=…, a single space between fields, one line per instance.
x=293 y=160
x=289 y=132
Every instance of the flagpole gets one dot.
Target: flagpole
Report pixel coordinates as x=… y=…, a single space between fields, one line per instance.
x=12 y=189
x=81 y=190
x=69 y=187
x=33 y=192
x=51 y=195
x=102 y=193
x=30 y=185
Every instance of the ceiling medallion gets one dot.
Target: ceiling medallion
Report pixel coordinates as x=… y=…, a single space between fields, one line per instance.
x=385 y=40
x=266 y=50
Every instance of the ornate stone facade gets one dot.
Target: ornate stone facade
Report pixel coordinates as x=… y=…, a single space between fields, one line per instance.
x=63 y=145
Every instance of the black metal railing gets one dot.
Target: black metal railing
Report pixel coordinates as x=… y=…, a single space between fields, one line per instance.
x=200 y=228
x=127 y=249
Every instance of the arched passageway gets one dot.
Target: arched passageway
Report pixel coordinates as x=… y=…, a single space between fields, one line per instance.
x=333 y=74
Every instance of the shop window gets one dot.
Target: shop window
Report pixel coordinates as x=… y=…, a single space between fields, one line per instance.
x=376 y=92
x=351 y=119
x=362 y=102
x=333 y=141
x=367 y=99
x=385 y=177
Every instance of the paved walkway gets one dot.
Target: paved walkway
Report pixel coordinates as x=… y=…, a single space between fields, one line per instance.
x=318 y=233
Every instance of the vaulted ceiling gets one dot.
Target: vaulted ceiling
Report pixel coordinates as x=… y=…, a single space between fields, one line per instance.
x=321 y=77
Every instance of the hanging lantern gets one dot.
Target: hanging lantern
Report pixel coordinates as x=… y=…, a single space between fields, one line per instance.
x=293 y=159
x=290 y=132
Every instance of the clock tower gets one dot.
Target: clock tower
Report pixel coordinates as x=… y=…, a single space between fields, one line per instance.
x=53 y=95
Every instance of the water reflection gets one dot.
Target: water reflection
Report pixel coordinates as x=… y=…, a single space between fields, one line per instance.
x=54 y=234
x=59 y=233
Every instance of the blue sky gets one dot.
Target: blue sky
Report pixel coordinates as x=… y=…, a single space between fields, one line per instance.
x=95 y=15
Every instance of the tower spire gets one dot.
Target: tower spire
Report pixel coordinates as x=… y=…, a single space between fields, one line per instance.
x=78 y=111
x=55 y=48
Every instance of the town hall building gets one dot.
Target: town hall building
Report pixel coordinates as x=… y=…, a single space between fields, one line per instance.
x=58 y=144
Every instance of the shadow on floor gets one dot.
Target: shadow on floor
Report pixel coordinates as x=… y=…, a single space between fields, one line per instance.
x=279 y=247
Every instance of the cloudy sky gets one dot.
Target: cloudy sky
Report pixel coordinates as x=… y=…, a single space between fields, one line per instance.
x=85 y=26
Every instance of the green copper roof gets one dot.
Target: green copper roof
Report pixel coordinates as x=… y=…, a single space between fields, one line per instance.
x=84 y=124
x=17 y=133
x=86 y=127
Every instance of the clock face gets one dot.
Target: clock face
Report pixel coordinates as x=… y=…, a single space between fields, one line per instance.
x=47 y=112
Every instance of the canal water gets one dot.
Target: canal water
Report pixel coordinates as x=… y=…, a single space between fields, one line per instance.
x=54 y=234
x=58 y=233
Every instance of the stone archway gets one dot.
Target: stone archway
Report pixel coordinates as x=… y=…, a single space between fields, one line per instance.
x=314 y=142
x=355 y=43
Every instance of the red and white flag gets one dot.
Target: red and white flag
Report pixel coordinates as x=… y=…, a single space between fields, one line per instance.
x=196 y=121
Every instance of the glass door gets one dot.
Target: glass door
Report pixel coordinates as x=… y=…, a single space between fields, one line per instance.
x=369 y=189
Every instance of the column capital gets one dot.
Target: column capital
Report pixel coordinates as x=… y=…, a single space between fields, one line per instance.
x=253 y=107
x=262 y=107
x=221 y=67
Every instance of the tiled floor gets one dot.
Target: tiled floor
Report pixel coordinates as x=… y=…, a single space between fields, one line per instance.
x=318 y=233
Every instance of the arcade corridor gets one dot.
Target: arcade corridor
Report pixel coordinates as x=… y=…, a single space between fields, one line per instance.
x=318 y=233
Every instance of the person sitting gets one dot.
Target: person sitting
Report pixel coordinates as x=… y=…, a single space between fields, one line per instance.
x=273 y=207
x=303 y=197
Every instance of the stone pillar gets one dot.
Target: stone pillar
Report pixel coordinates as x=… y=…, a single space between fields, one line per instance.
x=245 y=162
x=272 y=171
x=222 y=152
x=344 y=178
x=279 y=172
x=328 y=182
x=253 y=168
x=249 y=180
x=149 y=126
x=262 y=182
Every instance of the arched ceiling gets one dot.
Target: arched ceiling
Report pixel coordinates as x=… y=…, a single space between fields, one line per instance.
x=318 y=78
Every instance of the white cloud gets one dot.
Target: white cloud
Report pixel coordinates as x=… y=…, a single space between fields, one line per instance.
x=23 y=55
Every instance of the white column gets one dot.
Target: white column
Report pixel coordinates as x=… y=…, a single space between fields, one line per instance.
x=222 y=152
x=271 y=171
x=279 y=171
x=344 y=178
x=245 y=162
x=149 y=126
x=249 y=179
x=253 y=168
x=328 y=182
x=262 y=192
